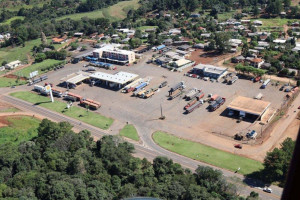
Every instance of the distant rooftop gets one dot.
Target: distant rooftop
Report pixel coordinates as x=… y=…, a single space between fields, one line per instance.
x=119 y=78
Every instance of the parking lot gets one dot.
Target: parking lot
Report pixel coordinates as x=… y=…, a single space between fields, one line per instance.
x=126 y=108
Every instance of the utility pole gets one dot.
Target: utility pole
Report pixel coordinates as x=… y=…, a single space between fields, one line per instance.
x=162 y=117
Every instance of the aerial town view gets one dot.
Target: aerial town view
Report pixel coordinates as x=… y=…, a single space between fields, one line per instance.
x=154 y=99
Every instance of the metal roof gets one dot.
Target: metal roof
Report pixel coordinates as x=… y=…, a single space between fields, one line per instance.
x=119 y=78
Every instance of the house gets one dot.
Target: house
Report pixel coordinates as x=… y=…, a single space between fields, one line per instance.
x=150 y=30
x=279 y=41
x=295 y=71
x=125 y=40
x=174 y=31
x=205 y=35
x=13 y=65
x=2 y=68
x=210 y=71
x=78 y=34
x=59 y=40
x=142 y=49
x=263 y=44
x=295 y=24
x=182 y=63
x=266 y=65
x=200 y=45
x=168 y=42
x=257 y=23
x=235 y=42
x=238 y=59
x=162 y=60
x=184 y=47
x=245 y=21
x=195 y=15
x=257 y=62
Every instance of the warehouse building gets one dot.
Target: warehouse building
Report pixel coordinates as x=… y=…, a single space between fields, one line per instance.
x=248 y=108
x=182 y=64
x=74 y=79
x=115 y=80
x=113 y=55
x=210 y=71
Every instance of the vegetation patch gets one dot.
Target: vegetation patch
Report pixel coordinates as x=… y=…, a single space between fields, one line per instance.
x=18 y=129
x=8 y=82
x=11 y=109
x=207 y=154
x=81 y=114
x=41 y=67
x=113 y=13
x=130 y=131
x=12 y=19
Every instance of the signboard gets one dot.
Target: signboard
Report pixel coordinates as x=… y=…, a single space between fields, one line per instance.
x=47 y=88
x=33 y=74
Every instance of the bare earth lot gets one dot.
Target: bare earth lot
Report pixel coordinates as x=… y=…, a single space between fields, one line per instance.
x=200 y=125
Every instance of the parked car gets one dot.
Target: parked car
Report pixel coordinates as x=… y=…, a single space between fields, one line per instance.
x=239 y=146
x=267 y=189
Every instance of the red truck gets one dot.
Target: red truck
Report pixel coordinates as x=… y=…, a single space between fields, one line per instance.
x=214 y=97
x=192 y=102
x=257 y=79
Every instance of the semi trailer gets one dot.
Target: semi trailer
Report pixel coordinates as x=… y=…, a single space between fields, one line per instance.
x=216 y=104
x=194 y=106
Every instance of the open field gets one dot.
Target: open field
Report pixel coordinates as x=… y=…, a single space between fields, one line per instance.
x=16 y=129
x=15 y=5
x=7 y=82
x=113 y=13
x=206 y=154
x=6 y=110
x=58 y=106
x=143 y=28
x=273 y=22
x=129 y=131
x=40 y=67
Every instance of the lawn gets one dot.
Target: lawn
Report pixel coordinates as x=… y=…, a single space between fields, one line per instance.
x=81 y=114
x=12 y=19
x=113 y=13
x=18 y=53
x=7 y=82
x=207 y=154
x=274 y=22
x=129 y=131
x=40 y=67
x=19 y=129
x=11 y=109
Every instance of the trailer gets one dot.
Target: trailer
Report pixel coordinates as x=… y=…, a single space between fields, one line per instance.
x=163 y=84
x=131 y=85
x=175 y=94
x=44 y=77
x=38 y=88
x=90 y=103
x=141 y=86
x=141 y=93
x=194 y=107
x=266 y=82
x=197 y=95
x=73 y=97
x=214 y=97
x=179 y=85
x=232 y=80
x=148 y=94
x=190 y=93
x=57 y=93
x=216 y=104
x=259 y=96
x=192 y=102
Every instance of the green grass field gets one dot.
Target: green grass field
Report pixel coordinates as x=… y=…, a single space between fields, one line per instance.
x=81 y=114
x=18 y=53
x=19 y=129
x=206 y=154
x=143 y=28
x=113 y=13
x=38 y=66
x=7 y=82
x=11 y=109
x=273 y=22
x=129 y=131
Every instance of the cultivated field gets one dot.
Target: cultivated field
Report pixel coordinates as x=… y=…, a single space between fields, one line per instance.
x=113 y=13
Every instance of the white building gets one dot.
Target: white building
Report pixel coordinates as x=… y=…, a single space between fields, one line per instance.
x=13 y=64
x=110 y=54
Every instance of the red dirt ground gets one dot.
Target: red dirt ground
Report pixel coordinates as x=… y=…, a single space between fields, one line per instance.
x=12 y=76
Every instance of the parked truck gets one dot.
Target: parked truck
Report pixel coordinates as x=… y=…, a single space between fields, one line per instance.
x=131 y=85
x=163 y=84
x=179 y=85
x=214 y=97
x=190 y=93
x=90 y=103
x=73 y=97
x=216 y=104
x=266 y=82
x=38 y=88
x=175 y=94
x=57 y=93
x=192 y=102
x=197 y=95
x=141 y=86
x=194 y=106
x=232 y=80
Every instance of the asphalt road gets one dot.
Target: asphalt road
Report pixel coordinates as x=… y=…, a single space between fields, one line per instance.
x=148 y=149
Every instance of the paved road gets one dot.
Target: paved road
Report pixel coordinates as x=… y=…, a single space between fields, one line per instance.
x=148 y=149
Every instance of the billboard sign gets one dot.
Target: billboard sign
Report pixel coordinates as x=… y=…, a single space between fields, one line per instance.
x=33 y=74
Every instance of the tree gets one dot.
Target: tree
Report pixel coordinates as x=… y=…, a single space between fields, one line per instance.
x=222 y=43
x=39 y=57
x=277 y=162
x=255 y=11
x=135 y=42
x=74 y=46
x=44 y=39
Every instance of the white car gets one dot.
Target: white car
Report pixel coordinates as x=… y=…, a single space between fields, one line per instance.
x=267 y=189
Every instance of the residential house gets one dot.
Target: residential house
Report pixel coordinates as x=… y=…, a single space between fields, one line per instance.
x=238 y=59
x=13 y=65
x=174 y=31
x=184 y=47
x=257 y=23
x=195 y=15
x=257 y=62
x=59 y=40
x=168 y=42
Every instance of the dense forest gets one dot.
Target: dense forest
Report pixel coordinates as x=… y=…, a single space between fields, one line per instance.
x=59 y=164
